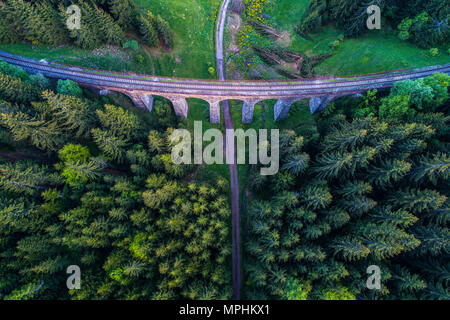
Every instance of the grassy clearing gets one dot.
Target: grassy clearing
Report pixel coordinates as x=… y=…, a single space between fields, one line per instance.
x=193 y=23
x=376 y=51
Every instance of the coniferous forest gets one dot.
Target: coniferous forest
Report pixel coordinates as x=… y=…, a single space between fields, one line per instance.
x=422 y=22
x=369 y=187
x=88 y=180
x=104 y=22
x=91 y=184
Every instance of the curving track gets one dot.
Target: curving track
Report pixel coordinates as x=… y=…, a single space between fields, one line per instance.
x=221 y=89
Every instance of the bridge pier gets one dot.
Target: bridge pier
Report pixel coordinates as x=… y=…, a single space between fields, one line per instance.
x=320 y=103
x=214 y=111
x=247 y=111
x=180 y=106
x=148 y=101
x=143 y=101
x=281 y=108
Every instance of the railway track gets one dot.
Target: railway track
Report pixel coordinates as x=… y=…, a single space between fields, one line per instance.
x=221 y=88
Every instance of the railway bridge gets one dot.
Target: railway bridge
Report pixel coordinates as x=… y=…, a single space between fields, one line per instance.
x=142 y=88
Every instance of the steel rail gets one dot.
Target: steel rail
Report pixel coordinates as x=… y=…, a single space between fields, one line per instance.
x=219 y=85
x=248 y=89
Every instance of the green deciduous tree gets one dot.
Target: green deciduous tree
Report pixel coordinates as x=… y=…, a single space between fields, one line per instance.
x=69 y=87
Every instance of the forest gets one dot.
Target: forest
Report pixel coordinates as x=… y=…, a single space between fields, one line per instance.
x=88 y=180
x=88 y=183
x=423 y=22
x=369 y=187
x=102 y=22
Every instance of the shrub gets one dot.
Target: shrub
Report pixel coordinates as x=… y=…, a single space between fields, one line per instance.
x=339 y=294
x=13 y=71
x=139 y=58
x=132 y=44
x=296 y=291
x=419 y=92
x=41 y=81
x=335 y=44
x=434 y=52
x=404 y=29
x=439 y=83
x=69 y=87
x=396 y=107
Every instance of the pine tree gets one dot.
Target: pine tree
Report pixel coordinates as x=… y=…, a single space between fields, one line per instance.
x=388 y=172
x=147 y=29
x=79 y=172
x=87 y=36
x=124 y=12
x=25 y=177
x=418 y=201
x=111 y=145
x=15 y=90
x=164 y=31
x=432 y=168
x=333 y=165
x=296 y=164
x=43 y=135
x=8 y=33
x=119 y=122
x=72 y=113
x=53 y=28
x=406 y=281
x=111 y=32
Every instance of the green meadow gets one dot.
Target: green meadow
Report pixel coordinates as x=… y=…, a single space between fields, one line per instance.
x=376 y=51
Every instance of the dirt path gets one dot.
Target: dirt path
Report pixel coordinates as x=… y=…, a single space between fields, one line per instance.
x=234 y=183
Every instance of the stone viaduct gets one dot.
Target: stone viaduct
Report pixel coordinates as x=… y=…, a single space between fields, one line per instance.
x=142 y=88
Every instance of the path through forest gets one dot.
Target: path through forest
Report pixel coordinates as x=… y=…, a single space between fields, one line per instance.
x=234 y=183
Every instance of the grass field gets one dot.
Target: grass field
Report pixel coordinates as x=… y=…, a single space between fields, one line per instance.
x=376 y=51
x=193 y=23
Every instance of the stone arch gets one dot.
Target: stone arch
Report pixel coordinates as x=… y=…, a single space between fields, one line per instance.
x=180 y=105
x=213 y=105
x=141 y=100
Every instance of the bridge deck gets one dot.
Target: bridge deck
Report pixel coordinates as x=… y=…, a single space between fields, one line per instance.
x=242 y=90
